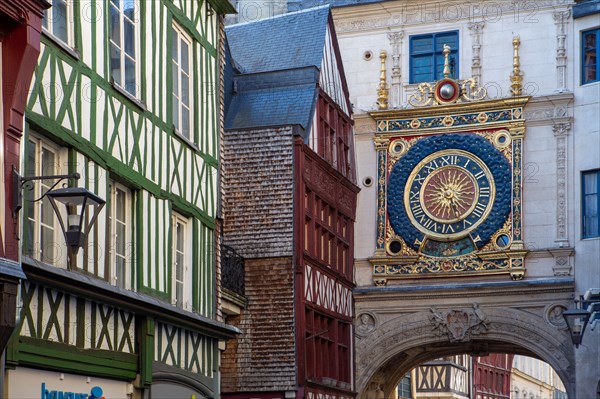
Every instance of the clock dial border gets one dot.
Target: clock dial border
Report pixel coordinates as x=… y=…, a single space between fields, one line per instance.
x=469 y=142
x=484 y=195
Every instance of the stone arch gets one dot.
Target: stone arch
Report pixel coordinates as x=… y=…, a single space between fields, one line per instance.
x=409 y=339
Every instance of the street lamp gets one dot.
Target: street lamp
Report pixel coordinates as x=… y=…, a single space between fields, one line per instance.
x=82 y=206
x=576 y=320
x=586 y=308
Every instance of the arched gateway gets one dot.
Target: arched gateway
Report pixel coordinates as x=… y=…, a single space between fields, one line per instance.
x=400 y=327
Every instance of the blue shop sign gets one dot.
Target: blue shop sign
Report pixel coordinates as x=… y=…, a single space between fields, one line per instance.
x=95 y=393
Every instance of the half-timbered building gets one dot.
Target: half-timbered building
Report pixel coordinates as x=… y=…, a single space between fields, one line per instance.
x=125 y=94
x=289 y=205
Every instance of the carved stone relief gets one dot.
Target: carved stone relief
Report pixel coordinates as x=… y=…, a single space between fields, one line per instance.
x=561 y=131
x=459 y=325
x=553 y=315
x=395 y=39
x=561 y=19
x=476 y=29
x=365 y=323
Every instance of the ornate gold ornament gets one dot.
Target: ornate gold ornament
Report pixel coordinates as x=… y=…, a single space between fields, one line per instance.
x=447 y=90
x=382 y=88
x=516 y=77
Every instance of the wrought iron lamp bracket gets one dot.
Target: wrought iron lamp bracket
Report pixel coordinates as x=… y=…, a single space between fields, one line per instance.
x=19 y=183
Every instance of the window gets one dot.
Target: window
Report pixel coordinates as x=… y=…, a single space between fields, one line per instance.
x=327 y=234
x=327 y=347
x=180 y=259
x=57 y=20
x=427 y=59
x=124 y=45
x=119 y=230
x=591 y=203
x=331 y=137
x=404 y=388
x=181 y=47
x=42 y=237
x=590 y=47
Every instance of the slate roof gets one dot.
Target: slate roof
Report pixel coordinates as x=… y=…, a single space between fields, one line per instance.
x=272 y=69
x=286 y=41
x=303 y=4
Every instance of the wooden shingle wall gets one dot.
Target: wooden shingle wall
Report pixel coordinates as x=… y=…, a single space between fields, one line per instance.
x=257 y=210
x=262 y=358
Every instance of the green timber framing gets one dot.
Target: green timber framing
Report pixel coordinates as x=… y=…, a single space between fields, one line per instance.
x=75 y=320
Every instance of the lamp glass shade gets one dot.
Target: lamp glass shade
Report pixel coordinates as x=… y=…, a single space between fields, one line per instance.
x=576 y=320
x=82 y=207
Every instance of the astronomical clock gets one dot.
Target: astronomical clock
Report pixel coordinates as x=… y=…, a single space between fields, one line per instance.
x=449 y=184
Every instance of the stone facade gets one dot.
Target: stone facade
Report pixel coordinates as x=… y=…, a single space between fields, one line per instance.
x=561 y=140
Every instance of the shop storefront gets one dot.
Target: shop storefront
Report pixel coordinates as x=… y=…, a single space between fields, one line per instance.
x=26 y=383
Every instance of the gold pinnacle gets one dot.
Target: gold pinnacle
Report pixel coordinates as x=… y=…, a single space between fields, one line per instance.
x=446 y=53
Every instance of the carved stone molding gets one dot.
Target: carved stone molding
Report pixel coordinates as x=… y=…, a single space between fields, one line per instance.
x=402 y=15
x=563 y=258
x=561 y=19
x=561 y=131
x=476 y=29
x=549 y=110
x=396 y=39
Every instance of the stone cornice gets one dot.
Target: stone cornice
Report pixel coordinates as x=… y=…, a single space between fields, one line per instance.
x=503 y=288
x=385 y=15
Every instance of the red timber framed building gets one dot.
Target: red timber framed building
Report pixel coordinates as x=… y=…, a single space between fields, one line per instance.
x=20 y=29
x=289 y=199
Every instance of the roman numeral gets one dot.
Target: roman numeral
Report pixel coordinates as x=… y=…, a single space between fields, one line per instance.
x=484 y=191
x=431 y=225
x=479 y=209
x=447 y=228
x=414 y=196
x=419 y=179
x=431 y=166
x=479 y=175
x=449 y=160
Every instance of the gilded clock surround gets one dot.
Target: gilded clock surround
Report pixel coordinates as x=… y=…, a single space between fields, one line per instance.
x=500 y=123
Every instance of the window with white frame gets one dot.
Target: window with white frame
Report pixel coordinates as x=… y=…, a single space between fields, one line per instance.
x=124 y=62
x=120 y=236
x=42 y=236
x=181 y=55
x=591 y=203
x=181 y=257
x=58 y=20
x=590 y=48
